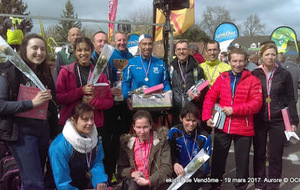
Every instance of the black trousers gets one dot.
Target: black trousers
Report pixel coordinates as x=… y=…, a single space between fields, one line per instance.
x=242 y=144
x=117 y=121
x=276 y=145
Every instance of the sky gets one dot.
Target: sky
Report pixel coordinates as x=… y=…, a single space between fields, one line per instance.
x=272 y=13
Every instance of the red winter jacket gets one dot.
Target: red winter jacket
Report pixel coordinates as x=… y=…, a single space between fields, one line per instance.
x=246 y=102
x=199 y=58
x=69 y=95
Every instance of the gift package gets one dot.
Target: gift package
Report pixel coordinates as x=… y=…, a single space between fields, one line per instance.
x=154 y=101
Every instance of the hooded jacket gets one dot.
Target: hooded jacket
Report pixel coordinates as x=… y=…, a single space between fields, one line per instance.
x=69 y=95
x=160 y=164
x=245 y=102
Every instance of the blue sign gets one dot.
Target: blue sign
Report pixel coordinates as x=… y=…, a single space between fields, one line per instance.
x=133 y=40
x=226 y=31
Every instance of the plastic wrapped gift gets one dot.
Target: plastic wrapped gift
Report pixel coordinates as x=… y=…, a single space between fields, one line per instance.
x=219 y=117
x=101 y=63
x=157 y=101
x=190 y=169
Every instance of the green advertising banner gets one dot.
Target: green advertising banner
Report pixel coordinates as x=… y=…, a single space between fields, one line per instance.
x=285 y=39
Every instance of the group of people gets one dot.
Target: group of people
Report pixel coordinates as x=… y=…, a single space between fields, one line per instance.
x=97 y=139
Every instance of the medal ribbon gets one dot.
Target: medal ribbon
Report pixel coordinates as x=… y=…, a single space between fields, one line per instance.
x=146 y=152
x=185 y=142
x=80 y=80
x=211 y=78
x=269 y=84
x=144 y=66
x=88 y=159
x=181 y=73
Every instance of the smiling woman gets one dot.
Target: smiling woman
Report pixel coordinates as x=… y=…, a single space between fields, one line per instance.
x=186 y=140
x=83 y=50
x=73 y=86
x=278 y=93
x=29 y=137
x=36 y=52
x=76 y=154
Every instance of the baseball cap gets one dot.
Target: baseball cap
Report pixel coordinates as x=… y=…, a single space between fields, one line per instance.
x=143 y=36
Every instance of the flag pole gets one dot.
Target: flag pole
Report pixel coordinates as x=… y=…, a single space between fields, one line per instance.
x=154 y=21
x=166 y=30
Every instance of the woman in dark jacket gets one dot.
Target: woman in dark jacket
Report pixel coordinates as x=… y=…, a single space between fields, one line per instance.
x=278 y=93
x=27 y=138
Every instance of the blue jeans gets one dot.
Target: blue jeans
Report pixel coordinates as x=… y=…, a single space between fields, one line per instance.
x=30 y=153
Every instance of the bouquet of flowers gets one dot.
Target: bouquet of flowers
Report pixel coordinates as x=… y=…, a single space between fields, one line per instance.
x=138 y=91
x=7 y=53
x=101 y=63
x=190 y=169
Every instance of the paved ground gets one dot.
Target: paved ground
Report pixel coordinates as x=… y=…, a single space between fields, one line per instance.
x=291 y=168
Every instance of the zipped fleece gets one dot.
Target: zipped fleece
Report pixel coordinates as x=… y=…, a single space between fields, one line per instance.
x=69 y=95
x=246 y=102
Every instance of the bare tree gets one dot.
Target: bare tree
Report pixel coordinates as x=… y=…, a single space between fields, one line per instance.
x=212 y=17
x=89 y=31
x=142 y=15
x=252 y=26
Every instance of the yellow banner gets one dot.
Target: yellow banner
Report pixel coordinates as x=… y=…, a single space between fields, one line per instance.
x=180 y=19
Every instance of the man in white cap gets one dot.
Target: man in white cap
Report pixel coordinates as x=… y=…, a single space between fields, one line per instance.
x=144 y=70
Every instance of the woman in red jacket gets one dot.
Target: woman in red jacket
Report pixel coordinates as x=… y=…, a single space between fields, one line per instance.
x=240 y=97
x=72 y=84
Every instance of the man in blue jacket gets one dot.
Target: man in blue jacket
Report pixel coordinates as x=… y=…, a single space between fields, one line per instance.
x=144 y=69
x=117 y=120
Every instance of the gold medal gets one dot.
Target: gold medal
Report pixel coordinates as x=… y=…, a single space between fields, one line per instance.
x=268 y=100
x=88 y=174
x=146 y=79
